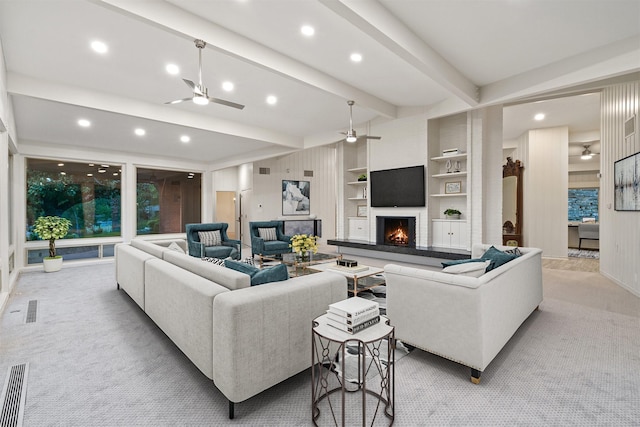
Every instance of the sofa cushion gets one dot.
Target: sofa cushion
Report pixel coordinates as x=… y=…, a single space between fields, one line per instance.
x=276 y=273
x=472 y=269
x=174 y=246
x=268 y=234
x=210 y=238
x=497 y=257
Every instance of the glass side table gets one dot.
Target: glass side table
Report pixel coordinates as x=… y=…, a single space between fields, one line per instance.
x=351 y=370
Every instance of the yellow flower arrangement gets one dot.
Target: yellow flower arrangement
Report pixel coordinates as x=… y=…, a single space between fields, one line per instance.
x=302 y=244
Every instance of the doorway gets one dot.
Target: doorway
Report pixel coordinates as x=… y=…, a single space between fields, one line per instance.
x=226 y=211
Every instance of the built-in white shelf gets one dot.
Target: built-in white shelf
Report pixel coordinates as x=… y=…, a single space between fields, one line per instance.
x=357 y=198
x=454 y=157
x=449 y=175
x=357 y=183
x=359 y=169
x=449 y=195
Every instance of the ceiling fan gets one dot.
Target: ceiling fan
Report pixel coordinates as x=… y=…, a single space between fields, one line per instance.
x=351 y=135
x=585 y=154
x=200 y=92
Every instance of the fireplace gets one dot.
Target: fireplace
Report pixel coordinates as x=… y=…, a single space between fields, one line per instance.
x=396 y=231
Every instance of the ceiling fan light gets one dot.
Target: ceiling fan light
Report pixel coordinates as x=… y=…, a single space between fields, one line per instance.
x=586 y=153
x=351 y=138
x=586 y=156
x=200 y=100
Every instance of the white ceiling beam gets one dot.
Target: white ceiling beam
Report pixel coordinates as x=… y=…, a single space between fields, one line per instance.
x=18 y=84
x=607 y=61
x=376 y=21
x=178 y=20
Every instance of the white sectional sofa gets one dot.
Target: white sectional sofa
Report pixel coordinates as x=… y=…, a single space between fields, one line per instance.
x=246 y=339
x=465 y=319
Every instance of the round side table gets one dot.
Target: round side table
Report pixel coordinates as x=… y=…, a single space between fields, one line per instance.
x=348 y=370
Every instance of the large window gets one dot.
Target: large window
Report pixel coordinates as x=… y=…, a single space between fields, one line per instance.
x=87 y=194
x=167 y=200
x=583 y=203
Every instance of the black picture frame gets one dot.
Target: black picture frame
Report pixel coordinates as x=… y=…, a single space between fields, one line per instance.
x=626 y=181
x=296 y=197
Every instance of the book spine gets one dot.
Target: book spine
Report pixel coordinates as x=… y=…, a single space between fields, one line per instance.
x=356 y=315
x=355 y=329
x=352 y=320
x=364 y=325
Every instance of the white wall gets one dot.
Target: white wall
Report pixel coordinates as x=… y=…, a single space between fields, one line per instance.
x=403 y=144
x=545 y=191
x=619 y=231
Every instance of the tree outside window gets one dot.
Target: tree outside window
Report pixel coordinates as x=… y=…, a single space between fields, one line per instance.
x=87 y=194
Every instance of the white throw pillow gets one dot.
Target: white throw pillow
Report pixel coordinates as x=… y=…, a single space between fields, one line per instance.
x=176 y=247
x=472 y=269
x=268 y=234
x=210 y=238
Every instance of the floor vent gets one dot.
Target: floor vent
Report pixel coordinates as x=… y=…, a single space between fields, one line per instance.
x=32 y=311
x=264 y=171
x=14 y=395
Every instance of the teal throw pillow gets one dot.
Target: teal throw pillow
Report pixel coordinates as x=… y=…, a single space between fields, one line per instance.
x=276 y=273
x=241 y=267
x=459 y=261
x=497 y=258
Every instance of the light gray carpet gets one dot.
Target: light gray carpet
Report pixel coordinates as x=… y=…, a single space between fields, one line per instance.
x=97 y=360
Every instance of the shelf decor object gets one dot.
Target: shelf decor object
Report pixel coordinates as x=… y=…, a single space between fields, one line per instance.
x=452 y=187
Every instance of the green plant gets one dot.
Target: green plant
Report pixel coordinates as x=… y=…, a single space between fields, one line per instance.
x=362 y=177
x=452 y=212
x=51 y=228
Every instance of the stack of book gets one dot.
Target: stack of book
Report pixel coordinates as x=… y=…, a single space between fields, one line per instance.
x=353 y=314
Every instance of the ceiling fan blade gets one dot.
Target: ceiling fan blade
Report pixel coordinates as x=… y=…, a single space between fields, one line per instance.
x=371 y=137
x=227 y=103
x=178 y=101
x=195 y=88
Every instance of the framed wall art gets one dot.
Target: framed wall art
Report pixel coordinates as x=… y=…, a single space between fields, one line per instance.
x=295 y=197
x=362 y=210
x=452 y=187
x=626 y=178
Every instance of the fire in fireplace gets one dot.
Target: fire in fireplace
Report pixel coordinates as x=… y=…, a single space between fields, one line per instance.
x=396 y=231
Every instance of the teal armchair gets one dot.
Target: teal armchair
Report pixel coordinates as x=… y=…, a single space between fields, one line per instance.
x=227 y=247
x=262 y=246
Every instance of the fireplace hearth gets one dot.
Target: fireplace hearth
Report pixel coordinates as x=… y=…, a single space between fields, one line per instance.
x=396 y=231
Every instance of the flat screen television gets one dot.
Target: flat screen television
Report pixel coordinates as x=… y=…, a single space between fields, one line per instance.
x=402 y=187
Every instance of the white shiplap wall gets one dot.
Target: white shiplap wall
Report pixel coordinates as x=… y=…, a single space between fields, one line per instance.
x=619 y=231
x=266 y=201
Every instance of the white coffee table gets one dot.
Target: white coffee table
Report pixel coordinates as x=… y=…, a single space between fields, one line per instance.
x=359 y=279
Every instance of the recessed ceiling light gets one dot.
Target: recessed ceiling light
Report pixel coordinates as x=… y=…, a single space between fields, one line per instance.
x=63 y=173
x=90 y=164
x=104 y=166
x=172 y=69
x=140 y=131
x=228 y=86
x=307 y=30
x=99 y=46
x=356 y=57
x=539 y=116
x=102 y=170
x=84 y=123
x=60 y=164
x=89 y=174
x=272 y=99
x=115 y=174
x=185 y=138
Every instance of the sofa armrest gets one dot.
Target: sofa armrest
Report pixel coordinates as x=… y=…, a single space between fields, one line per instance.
x=257 y=245
x=262 y=334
